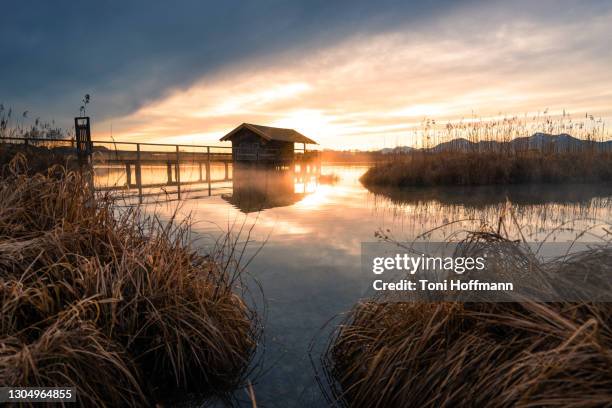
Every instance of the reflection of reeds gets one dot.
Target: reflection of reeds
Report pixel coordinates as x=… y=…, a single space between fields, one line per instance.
x=414 y=354
x=537 y=207
x=111 y=302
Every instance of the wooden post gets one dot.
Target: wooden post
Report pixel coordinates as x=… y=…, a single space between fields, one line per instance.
x=138 y=173
x=128 y=174
x=169 y=172
x=200 y=169
x=82 y=133
x=226 y=170
x=208 y=176
x=178 y=172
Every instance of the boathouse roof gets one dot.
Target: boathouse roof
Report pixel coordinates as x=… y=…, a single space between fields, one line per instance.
x=271 y=133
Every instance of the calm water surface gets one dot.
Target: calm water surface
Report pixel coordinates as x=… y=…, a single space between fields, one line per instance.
x=311 y=232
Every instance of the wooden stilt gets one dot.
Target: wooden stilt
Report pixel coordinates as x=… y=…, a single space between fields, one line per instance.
x=128 y=175
x=169 y=172
x=138 y=173
x=208 y=175
x=178 y=172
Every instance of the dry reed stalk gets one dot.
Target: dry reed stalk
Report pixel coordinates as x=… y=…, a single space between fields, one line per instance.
x=490 y=168
x=473 y=354
x=448 y=354
x=158 y=314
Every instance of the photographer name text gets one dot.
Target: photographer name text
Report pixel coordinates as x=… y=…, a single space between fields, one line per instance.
x=411 y=264
x=445 y=285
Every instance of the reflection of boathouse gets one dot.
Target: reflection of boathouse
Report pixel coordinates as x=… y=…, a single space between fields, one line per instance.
x=267 y=144
x=257 y=189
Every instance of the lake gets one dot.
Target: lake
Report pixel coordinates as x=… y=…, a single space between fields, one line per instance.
x=308 y=234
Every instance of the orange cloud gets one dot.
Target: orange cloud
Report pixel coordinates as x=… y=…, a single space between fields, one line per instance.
x=373 y=91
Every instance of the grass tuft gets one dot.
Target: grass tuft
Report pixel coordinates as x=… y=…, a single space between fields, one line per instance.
x=473 y=354
x=116 y=303
x=449 y=354
x=490 y=168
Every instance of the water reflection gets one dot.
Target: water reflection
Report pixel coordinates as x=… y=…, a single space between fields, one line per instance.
x=309 y=267
x=483 y=196
x=531 y=210
x=255 y=189
x=107 y=176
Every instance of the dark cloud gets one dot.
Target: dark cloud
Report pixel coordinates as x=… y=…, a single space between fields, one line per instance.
x=126 y=53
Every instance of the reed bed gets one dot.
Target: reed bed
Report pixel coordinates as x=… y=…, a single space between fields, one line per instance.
x=473 y=354
x=41 y=157
x=465 y=168
x=543 y=148
x=452 y=354
x=117 y=304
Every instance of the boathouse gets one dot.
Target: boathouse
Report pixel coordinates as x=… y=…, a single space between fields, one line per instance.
x=264 y=143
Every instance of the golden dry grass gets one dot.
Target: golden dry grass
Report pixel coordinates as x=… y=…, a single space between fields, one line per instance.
x=490 y=168
x=112 y=302
x=478 y=151
x=453 y=354
x=473 y=354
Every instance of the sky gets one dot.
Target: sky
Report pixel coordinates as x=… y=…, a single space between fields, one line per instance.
x=349 y=74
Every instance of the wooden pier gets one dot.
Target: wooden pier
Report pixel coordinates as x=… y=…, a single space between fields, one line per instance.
x=133 y=156
x=130 y=158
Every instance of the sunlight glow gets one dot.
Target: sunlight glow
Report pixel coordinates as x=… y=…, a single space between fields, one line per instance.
x=316 y=199
x=372 y=92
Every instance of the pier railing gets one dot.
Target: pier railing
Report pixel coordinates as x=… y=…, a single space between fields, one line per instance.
x=157 y=150
x=128 y=159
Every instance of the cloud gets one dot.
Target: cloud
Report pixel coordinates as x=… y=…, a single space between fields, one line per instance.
x=357 y=71
x=368 y=91
x=129 y=53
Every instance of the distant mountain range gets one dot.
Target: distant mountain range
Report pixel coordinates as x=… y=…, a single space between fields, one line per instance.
x=398 y=149
x=560 y=142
